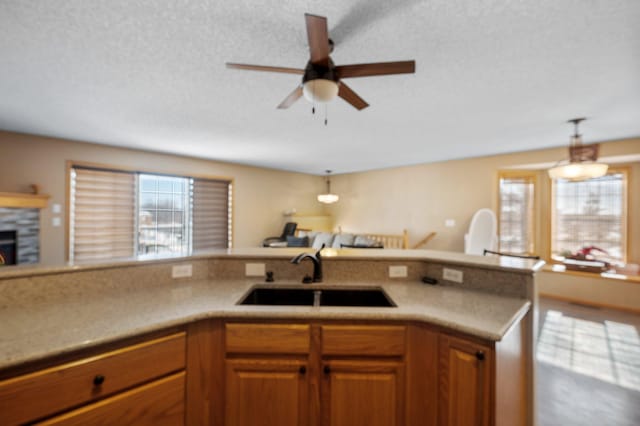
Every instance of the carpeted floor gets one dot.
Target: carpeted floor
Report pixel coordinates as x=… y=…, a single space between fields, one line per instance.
x=588 y=366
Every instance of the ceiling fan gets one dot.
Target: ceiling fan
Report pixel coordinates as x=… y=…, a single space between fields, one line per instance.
x=321 y=78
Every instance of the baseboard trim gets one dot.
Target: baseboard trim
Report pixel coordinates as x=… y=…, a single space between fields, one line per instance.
x=590 y=303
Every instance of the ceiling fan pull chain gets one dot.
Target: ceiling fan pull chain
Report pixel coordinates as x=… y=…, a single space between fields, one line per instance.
x=325 y=114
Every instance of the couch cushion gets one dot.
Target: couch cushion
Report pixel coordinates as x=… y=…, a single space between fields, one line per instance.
x=297 y=241
x=325 y=238
x=363 y=241
x=342 y=239
x=310 y=234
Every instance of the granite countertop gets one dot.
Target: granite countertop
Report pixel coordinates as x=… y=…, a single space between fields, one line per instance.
x=526 y=266
x=36 y=330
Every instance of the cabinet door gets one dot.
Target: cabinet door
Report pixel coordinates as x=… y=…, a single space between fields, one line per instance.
x=464 y=383
x=362 y=393
x=159 y=403
x=266 y=392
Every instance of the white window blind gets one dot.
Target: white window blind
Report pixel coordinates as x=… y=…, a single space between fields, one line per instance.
x=590 y=213
x=119 y=214
x=211 y=214
x=516 y=214
x=102 y=214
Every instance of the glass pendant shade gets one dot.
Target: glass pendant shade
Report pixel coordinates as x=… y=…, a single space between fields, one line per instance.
x=578 y=171
x=583 y=159
x=320 y=90
x=328 y=198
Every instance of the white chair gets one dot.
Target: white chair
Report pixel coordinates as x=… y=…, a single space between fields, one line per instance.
x=483 y=233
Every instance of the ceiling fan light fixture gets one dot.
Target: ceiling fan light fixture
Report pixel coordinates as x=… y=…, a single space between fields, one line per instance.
x=583 y=159
x=320 y=90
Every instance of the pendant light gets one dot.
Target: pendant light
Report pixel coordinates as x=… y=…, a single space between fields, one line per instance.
x=583 y=159
x=328 y=198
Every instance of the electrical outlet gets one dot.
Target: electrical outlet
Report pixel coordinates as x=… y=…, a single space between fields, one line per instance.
x=181 y=271
x=398 y=271
x=254 y=269
x=450 y=223
x=452 y=275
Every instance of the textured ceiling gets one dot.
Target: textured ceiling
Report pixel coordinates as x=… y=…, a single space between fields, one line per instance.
x=491 y=77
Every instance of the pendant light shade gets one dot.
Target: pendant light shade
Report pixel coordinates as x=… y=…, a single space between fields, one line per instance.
x=328 y=198
x=583 y=160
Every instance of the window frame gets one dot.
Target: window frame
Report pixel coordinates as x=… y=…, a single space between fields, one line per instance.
x=533 y=176
x=110 y=167
x=626 y=172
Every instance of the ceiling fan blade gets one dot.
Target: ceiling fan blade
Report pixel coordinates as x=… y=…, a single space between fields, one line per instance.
x=378 y=68
x=350 y=96
x=264 y=68
x=318 y=35
x=289 y=100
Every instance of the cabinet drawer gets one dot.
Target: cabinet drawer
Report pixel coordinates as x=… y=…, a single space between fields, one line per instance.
x=157 y=403
x=363 y=340
x=267 y=338
x=55 y=389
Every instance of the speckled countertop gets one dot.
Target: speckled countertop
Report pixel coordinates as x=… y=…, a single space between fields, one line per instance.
x=36 y=330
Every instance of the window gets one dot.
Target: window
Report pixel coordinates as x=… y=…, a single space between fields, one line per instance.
x=122 y=214
x=516 y=212
x=163 y=225
x=590 y=213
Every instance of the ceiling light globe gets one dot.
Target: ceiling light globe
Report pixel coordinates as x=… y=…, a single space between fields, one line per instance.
x=578 y=171
x=328 y=198
x=320 y=90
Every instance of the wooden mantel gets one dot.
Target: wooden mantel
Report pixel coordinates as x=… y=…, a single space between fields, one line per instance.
x=23 y=201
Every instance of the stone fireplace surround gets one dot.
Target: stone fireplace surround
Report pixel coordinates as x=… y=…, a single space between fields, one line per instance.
x=26 y=223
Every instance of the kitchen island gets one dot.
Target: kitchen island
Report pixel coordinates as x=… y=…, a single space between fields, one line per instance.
x=420 y=351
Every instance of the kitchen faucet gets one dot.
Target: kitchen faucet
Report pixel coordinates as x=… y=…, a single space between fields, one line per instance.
x=317 y=264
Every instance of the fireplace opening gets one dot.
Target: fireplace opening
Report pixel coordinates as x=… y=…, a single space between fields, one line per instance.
x=8 y=246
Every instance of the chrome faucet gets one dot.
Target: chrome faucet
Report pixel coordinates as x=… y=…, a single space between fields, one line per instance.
x=317 y=263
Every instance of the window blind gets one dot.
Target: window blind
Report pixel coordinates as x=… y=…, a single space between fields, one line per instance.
x=102 y=214
x=211 y=209
x=516 y=219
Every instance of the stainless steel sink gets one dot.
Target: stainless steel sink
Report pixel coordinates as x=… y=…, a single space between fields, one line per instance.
x=279 y=296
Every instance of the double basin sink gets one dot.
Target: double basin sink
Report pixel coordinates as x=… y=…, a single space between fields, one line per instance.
x=279 y=296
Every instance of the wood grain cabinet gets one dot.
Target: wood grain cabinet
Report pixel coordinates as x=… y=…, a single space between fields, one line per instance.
x=314 y=374
x=267 y=392
x=362 y=393
x=465 y=382
x=363 y=375
x=137 y=384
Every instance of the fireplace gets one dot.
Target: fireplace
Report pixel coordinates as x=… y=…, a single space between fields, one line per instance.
x=8 y=247
x=19 y=235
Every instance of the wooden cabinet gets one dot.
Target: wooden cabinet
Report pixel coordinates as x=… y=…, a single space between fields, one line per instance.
x=314 y=374
x=362 y=393
x=59 y=388
x=159 y=403
x=267 y=392
x=465 y=382
x=363 y=375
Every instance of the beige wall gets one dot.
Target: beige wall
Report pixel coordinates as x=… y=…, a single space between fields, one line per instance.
x=260 y=195
x=420 y=198
x=594 y=290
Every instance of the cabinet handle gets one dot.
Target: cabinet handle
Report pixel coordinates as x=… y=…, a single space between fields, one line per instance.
x=327 y=369
x=98 y=380
x=480 y=355
x=302 y=369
